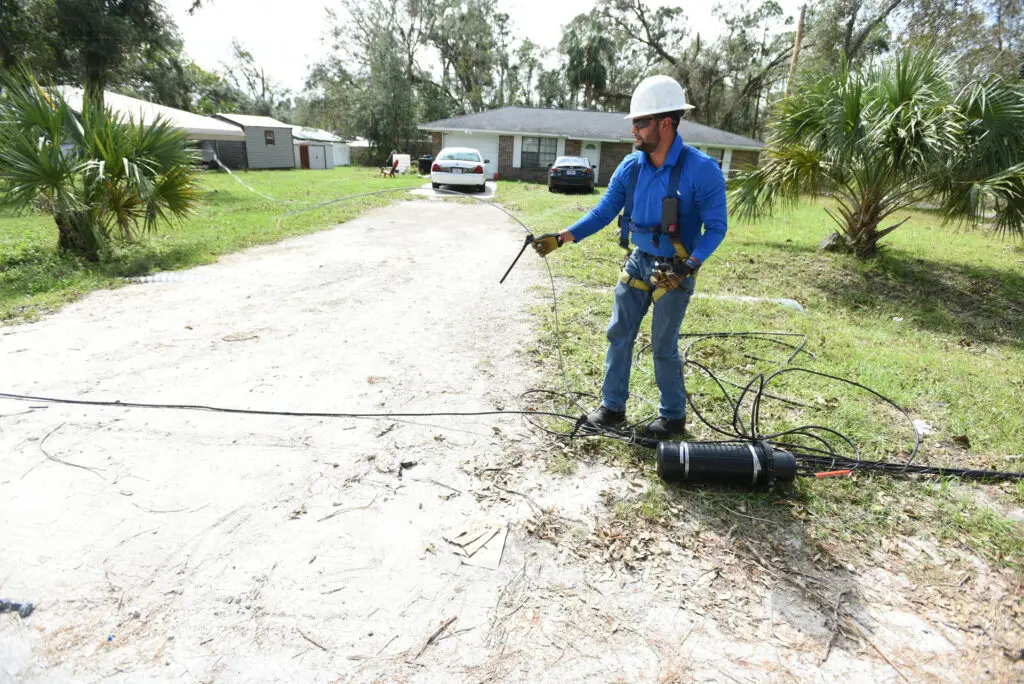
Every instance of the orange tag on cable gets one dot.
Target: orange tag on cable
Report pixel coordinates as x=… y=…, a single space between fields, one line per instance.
x=833 y=473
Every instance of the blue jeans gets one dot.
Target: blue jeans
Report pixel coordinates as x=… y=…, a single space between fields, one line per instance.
x=628 y=312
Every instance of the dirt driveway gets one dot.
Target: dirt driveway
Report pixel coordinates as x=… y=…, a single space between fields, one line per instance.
x=169 y=545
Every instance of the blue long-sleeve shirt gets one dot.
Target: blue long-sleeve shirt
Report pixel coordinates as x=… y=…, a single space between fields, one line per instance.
x=701 y=202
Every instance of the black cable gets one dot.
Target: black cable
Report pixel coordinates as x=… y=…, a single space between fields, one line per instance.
x=811 y=460
x=257 y=412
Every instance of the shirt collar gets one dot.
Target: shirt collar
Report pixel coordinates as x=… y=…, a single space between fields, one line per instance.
x=673 y=153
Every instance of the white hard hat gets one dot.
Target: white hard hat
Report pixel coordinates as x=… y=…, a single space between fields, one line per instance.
x=657 y=94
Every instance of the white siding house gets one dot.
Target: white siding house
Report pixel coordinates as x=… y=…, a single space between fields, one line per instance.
x=214 y=138
x=268 y=142
x=521 y=143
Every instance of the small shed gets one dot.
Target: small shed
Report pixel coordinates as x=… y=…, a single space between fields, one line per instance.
x=268 y=142
x=317 y=149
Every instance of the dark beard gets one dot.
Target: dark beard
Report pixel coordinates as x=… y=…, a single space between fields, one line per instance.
x=646 y=146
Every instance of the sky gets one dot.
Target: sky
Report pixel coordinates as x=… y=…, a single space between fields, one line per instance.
x=285 y=38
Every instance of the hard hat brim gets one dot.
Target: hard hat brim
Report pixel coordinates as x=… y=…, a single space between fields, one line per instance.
x=634 y=115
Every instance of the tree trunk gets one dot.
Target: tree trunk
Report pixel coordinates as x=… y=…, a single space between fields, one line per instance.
x=861 y=228
x=861 y=236
x=796 y=50
x=94 y=96
x=75 y=234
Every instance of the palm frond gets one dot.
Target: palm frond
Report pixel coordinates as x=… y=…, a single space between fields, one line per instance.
x=98 y=173
x=788 y=173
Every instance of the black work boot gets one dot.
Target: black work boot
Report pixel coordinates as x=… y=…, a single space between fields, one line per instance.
x=604 y=417
x=665 y=428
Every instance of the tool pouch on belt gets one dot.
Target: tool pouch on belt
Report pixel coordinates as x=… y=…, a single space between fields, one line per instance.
x=666 y=278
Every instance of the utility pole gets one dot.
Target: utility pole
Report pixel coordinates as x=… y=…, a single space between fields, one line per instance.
x=796 y=50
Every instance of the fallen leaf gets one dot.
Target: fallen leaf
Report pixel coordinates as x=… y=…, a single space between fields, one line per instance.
x=240 y=337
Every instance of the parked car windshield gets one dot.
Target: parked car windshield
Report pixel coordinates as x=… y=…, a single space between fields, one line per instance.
x=459 y=156
x=572 y=161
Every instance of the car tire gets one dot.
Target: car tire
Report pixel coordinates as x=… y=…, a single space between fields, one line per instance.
x=551 y=188
x=481 y=188
x=435 y=185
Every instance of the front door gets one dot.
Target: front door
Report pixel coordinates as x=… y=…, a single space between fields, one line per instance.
x=591 y=149
x=304 y=156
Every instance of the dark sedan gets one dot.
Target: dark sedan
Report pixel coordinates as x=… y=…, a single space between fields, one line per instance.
x=571 y=172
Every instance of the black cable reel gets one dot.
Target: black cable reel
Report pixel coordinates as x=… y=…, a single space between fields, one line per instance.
x=754 y=465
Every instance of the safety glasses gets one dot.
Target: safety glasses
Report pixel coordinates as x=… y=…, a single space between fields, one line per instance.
x=643 y=122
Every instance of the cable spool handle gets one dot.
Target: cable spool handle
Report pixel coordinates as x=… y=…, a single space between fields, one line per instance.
x=526 y=243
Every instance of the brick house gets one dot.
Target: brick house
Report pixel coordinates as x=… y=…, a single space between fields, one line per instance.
x=522 y=143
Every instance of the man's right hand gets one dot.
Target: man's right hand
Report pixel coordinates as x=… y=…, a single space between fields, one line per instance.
x=547 y=243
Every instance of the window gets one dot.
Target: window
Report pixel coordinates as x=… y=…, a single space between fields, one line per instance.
x=538 y=153
x=716 y=153
x=460 y=156
x=268 y=138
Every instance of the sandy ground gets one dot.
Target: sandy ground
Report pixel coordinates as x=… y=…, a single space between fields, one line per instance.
x=210 y=547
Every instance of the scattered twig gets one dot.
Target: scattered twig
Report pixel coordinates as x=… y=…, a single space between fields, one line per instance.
x=750 y=517
x=515 y=578
x=332 y=591
x=19 y=413
x=306 y=637
x=885 y=658
x=537 y=508
x=457 y=632
x=94 y=471
x=151 y=510
x=435 y=482
x=433 y=637
x=837 y=627
x=128 y=539
x=386 y=645
x=346 y=510
x=759 y=560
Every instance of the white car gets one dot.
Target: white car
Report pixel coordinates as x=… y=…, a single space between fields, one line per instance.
x=459 y=166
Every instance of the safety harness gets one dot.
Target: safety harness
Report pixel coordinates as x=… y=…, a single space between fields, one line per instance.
x=669 y=222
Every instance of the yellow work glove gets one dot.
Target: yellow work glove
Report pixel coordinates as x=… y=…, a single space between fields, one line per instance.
x=546 y=244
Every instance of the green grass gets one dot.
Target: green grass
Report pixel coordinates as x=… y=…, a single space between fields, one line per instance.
x=936 y=324
x=35 y=278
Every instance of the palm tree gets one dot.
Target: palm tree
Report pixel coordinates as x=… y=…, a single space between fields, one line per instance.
x=589 y=50
x=879 y=139
x=100 y=177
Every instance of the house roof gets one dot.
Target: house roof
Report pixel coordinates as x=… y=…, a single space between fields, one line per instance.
x=316 y=134
x=254 y=121
x=584 y=125
x=199 y=127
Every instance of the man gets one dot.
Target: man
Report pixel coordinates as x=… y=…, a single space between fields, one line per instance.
x=670 y=247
